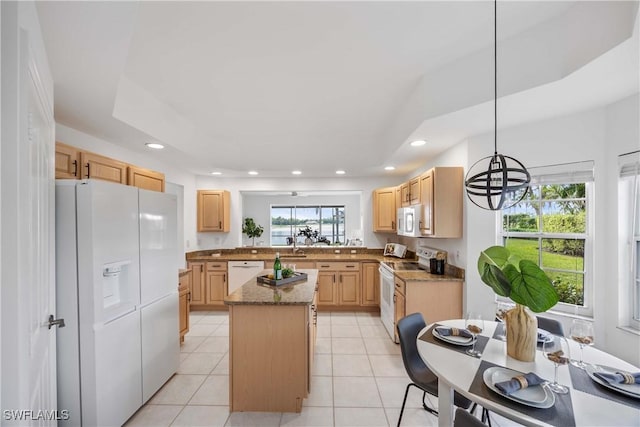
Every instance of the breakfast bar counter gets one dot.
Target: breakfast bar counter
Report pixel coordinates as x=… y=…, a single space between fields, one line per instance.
x=272 y=334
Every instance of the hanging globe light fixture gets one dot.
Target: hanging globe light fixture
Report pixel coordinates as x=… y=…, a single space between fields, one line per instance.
x=496 y=182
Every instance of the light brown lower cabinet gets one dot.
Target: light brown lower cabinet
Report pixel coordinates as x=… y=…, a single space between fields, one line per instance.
x=184 y=292
x=436 y=300
x=209 y=285
x=270 y=357
x=338 y=284
x=370 y=289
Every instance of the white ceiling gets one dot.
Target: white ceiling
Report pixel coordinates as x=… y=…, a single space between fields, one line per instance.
x=320 y=86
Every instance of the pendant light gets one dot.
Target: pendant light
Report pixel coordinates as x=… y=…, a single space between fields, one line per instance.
x=496 y=182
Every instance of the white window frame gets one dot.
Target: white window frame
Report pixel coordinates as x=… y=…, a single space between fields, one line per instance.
x=571 y=173
x=295 y=229
x=629 y=240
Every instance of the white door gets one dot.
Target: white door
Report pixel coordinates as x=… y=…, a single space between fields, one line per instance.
x=28 y=292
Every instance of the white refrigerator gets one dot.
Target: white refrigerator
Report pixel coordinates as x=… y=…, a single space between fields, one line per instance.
x=116 y=288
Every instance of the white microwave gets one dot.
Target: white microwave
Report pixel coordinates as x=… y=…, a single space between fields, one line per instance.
x=409 y=221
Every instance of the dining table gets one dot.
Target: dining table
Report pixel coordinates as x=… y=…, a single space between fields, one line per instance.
x=587 y=403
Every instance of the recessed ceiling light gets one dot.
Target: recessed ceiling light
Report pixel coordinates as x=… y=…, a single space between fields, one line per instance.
x=253 y=173
x=389 y=168
x=340 y=172
x=296 y=172
x=418 y=143
x=154 y=145
x=216 y=173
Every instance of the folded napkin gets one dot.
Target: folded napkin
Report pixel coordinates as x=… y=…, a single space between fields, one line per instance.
x=454 y=332
x=619 y=377
x=519 y=382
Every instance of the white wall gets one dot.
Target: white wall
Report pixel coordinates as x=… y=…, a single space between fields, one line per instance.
x=599 y=135
x=173 y=175
x=236 y=186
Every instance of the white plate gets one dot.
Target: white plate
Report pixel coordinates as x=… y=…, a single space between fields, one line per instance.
x=547 y=336
x=627 y=389
x=537 y=396
x=457 y=340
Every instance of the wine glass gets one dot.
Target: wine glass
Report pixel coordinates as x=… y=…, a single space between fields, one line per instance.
x=501 y=309
x=475 y=325
x=581 y=332
x=557 y=351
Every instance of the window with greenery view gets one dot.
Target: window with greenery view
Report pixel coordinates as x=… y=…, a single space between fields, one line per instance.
x=549 y=227
x=629 y=238
x=326 y=224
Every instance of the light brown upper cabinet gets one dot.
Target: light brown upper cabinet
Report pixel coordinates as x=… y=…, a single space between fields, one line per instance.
x=414 y=191
x=410 y=192
x=441 y=197
x=404 y=195
x=67 y=162
x=213 y=210
x=100 y=167
x=384 y=210
x=145 y=178
x=73 y=163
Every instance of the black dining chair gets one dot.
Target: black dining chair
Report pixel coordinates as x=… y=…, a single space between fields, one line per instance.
x=421 y=376
x=550 y=325
x=466 y=419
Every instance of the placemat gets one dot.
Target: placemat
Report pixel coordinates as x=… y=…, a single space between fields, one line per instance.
x=583 y=382
x=481 y=341
x=560 y=414
x=539 y=344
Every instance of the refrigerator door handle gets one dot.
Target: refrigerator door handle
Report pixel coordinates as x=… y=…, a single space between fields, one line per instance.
x=55 y=322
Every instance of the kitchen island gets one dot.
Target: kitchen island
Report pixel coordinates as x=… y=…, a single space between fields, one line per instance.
x=272 y=333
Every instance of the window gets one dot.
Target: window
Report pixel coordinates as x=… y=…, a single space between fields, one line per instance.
x=324 y=223
x=550 y=227
x=629 y=246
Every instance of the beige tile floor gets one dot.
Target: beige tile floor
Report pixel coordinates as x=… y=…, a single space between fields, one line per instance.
x=358 y=380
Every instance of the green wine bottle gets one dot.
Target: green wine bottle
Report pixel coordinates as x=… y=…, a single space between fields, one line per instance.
x=277 y=268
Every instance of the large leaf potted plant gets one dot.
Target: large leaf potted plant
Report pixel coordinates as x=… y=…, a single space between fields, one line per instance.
x=527 y=285
x=252 y=230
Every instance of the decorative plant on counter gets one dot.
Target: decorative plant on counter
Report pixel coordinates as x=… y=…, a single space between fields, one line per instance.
x=527 y=285
x=309 y=234
x=252 y=230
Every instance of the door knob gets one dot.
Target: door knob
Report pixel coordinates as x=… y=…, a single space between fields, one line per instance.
x=55 y=322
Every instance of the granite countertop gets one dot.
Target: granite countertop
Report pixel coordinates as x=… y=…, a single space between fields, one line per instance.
x=289 y=257
x=425 y=276
x=253 y=293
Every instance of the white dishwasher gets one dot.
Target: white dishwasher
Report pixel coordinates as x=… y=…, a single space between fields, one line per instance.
x=240 y=272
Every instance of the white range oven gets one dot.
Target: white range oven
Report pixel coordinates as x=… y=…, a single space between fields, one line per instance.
x=387 y=271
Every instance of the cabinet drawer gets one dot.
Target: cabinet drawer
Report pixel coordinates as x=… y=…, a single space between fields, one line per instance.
x=216 y=266
x=400 y=286
x=338 y=266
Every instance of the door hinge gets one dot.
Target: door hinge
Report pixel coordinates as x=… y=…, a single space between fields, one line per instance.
x=55 y=322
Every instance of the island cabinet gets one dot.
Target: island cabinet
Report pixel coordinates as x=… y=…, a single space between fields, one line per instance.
x=338 y=283
x=209 y=285
x=213 y=210
x=370 y=288
x=385 y=209
x=271 y=345
x=184 y=292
